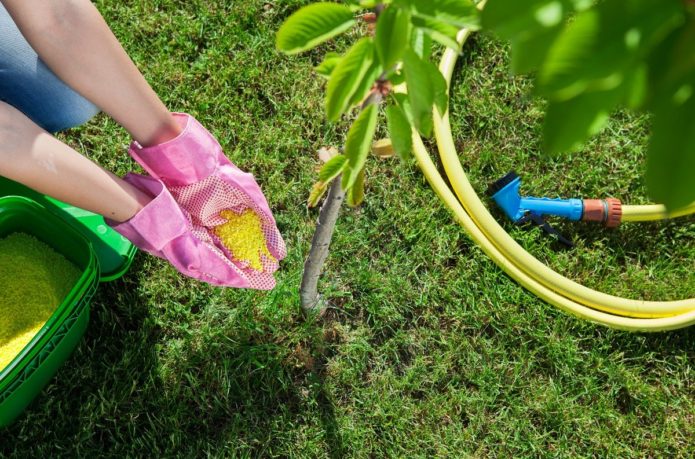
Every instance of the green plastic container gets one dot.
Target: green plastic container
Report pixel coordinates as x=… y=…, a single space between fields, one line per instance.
x=85 y=240
x=114 y=252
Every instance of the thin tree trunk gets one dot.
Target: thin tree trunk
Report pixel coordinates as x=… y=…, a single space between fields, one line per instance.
x=318 y=253
x=321 y=242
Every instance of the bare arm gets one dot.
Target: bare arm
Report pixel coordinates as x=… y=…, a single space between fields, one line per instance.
x=32 y=156
x=75 y=42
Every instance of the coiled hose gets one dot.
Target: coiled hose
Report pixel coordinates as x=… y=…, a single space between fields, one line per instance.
x=471 y=213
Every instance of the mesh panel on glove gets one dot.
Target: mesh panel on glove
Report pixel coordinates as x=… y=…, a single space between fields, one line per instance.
x=203 y=201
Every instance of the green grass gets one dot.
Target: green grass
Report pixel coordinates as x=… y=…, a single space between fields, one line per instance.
x=430 y=349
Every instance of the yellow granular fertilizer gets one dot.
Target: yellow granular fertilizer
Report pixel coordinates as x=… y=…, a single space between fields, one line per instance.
x=243 y=237
x=34 y=280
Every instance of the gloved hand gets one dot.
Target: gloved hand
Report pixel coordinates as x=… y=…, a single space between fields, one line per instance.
x=226 y=205
x=166 y=231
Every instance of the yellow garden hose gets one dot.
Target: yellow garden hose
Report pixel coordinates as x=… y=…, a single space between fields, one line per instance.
x=653 y=212
x=471 y=213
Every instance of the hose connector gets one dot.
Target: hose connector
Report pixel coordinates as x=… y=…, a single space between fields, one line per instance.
x=506 y=193
x=608 y=211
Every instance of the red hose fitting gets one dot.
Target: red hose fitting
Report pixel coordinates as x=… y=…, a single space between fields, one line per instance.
x=607 y=211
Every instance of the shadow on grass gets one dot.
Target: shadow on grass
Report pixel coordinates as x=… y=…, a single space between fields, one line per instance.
x=323 y=351
x=231 y=392
x=134 y=387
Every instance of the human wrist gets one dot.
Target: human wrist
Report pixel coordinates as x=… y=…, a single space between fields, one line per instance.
x=163 y=131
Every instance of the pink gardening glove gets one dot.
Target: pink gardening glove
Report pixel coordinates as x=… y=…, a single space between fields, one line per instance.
x=165 y=230
x=226 y=205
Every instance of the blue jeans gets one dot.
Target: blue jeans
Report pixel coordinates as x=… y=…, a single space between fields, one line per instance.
x=28 y=85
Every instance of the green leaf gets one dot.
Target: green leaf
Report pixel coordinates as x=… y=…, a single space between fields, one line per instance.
x=400 y=131
x=441 y=32
x=569 y=123
x=421 y=43
x=359 y=140
x=355 y=195
x=513 y=19
x=530 y=25
x=636 y=87
x=441 y=95
x=312 y=25
x=420 y=92
x=332 y=168
x=457 y=13
x=347 y=77
x=326 y=67
x=392 y=35
x=665 y=62
x=528 y=53
x=671 y=152
x=366 y=84
x=426 y=85
x=396 y=77
x=366 y=4
x=404 y=104
x=316 y=193
x=572 y=47
x=601 y=47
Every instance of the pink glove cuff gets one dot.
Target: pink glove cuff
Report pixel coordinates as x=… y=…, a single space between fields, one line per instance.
x=146 y=229
x=188 y=158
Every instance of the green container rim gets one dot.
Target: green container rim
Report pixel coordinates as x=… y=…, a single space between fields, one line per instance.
x=114 y=253
x=90 y=274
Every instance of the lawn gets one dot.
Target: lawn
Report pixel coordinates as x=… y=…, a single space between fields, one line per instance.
x=429 y=349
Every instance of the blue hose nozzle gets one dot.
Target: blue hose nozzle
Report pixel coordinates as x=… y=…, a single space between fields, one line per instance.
x=505 y=193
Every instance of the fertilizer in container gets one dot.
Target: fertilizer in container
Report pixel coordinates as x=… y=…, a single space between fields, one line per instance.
x=34 y=280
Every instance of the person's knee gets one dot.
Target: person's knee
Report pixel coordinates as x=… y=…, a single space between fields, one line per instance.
x=29 y=85
x=10 y=130
x=54 y=105
x=7 y=120
x=68 y=110
x=75 y=112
